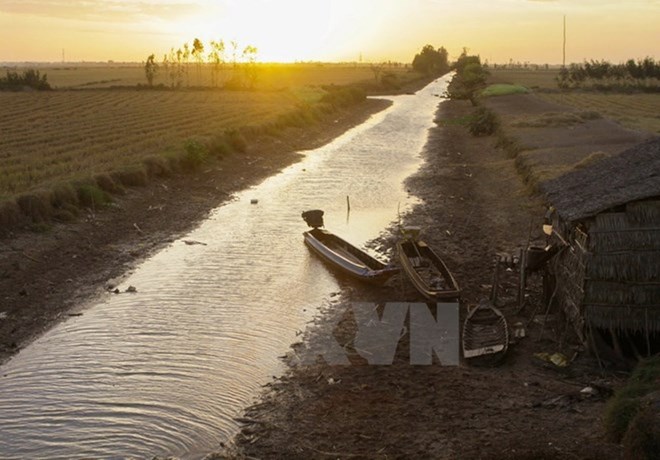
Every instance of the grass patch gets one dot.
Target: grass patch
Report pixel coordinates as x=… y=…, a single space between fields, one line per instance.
x=557 y=119
x=503 y=89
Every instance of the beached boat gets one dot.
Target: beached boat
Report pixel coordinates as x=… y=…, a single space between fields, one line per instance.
x=425 y=269
x=342 y=255
x=485 y=332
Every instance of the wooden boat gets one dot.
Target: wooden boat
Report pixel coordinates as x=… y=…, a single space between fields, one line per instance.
x=342 y=255
x=485 y=332
x=425 y=269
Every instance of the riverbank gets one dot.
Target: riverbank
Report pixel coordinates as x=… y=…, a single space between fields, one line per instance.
x=44 y=275
x=475 y=205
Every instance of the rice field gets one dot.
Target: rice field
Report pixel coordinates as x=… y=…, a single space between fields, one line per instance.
x=640 y=112
x=269 y=76
x=49 y=137
x=637 y=111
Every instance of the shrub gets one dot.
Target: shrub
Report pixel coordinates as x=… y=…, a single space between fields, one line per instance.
x=62 y=195
x=36 y=205
x=626 y=403
x=106 y=183
x=134 y=176
x=157 y=166
x=389 y=80
x=30 y=78
x=236 y=140
x=642 y=439
x=219 y=146
x=483 y=123
x=195 y=153
x=91 y=196
x=10 y=214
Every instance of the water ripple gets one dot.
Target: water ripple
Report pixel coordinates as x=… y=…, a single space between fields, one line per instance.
x=164 y=370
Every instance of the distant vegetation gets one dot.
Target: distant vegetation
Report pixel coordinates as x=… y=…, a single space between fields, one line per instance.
x=641 y=75
x=431 y=61
x=30 y=78
x=470 y=78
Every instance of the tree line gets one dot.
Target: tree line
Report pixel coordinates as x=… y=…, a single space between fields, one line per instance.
x=175 y=65
x=643 y=74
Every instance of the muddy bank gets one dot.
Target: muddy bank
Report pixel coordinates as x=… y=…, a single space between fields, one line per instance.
x=44 y=275
x=475 y=205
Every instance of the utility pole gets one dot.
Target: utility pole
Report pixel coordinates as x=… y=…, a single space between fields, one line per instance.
x=62 y=55
x=563 y=61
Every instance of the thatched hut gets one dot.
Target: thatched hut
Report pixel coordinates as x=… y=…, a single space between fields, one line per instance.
x=607 y=274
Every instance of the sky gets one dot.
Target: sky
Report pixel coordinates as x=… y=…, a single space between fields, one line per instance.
x=331 y=30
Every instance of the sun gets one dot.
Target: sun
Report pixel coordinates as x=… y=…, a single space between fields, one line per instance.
x=284 y=30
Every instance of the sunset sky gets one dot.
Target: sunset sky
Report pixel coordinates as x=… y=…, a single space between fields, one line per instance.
x=331 y=30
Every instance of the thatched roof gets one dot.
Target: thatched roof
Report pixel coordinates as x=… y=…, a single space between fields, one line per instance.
x=631 y=175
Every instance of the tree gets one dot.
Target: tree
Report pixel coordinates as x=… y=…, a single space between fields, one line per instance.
x=469 y=79
x=376 y=69
x=197 y=54
x=250 y=59
x=216 y=58
x=150 y=69
x=186 y=60
x=431 y=61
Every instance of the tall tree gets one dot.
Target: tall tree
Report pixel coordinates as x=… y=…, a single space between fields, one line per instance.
x=198 y=56
x=431 y=61
x=216 y=58
x=150 y=69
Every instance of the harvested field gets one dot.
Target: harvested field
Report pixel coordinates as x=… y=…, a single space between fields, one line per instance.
x=55 y=136
x=269 y=75
x=637 y=111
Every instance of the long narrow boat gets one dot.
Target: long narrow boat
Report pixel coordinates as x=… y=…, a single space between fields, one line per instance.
x=425 y=269
x=342 y=255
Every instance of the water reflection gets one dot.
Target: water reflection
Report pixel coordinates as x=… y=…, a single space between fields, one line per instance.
x=164 y=370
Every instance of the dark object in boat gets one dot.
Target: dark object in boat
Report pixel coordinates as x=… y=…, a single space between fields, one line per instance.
x=485 y=333
x=425 y=269
x=314 y=218
x=345 y=257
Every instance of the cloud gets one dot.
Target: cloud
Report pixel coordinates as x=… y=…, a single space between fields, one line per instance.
x=100 y=10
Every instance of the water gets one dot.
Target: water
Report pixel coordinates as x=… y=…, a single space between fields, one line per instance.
x=163 y=371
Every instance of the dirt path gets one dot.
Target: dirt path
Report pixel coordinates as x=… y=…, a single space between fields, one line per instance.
x=475 y=205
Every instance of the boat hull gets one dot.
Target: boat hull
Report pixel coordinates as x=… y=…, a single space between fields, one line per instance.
x=347 y=258
x=427 y=271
